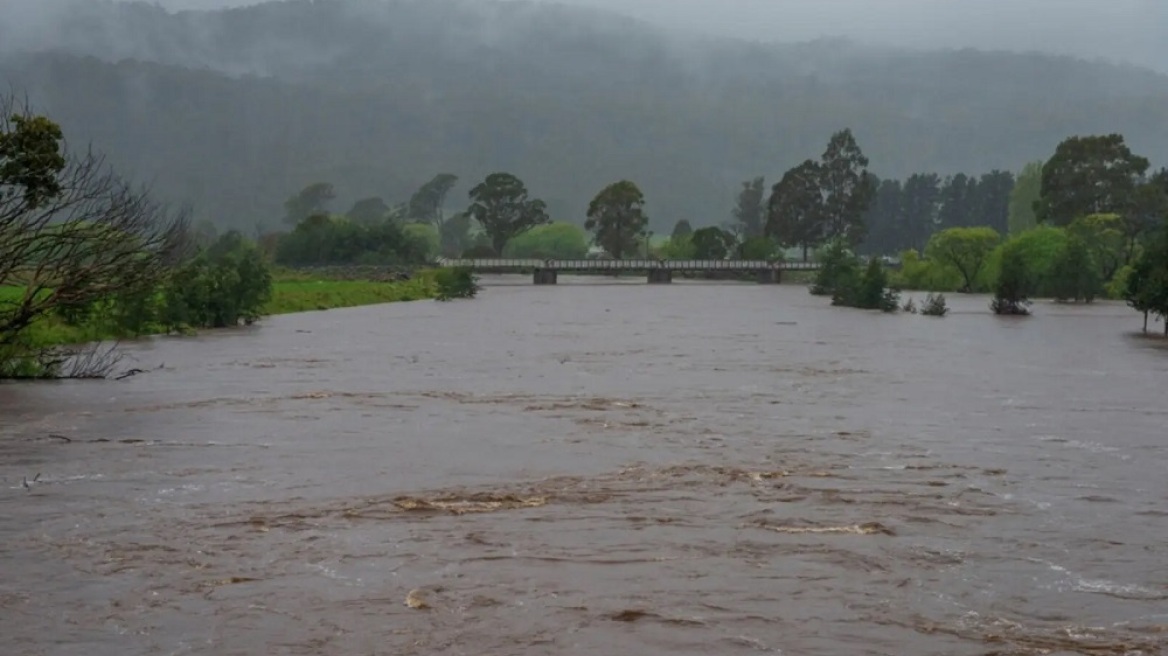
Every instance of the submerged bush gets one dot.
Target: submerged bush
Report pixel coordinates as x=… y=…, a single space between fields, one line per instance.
x=935 y=306
x=455 y=283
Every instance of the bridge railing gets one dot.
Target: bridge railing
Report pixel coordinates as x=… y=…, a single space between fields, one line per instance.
x=502 y=263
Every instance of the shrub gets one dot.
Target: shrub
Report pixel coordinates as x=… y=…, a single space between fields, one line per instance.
x=935 y=306
x=1014 y=283
x=839 y=273
x=455 y=283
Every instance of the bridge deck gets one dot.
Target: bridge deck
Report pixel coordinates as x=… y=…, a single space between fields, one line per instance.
x=510 y=264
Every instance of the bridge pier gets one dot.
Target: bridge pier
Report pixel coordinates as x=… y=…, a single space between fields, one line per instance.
x=660 y=276
x=770 y=277
x=545 y=276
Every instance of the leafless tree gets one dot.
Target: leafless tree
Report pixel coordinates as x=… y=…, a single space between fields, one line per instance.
x=72 y=232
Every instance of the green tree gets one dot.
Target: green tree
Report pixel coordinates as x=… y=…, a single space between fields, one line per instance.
x=31 y=157
x=313 y=199
x=369 y=210
x=839 y=270
x=1012 y=291
x=681 y=229
x=501 y=206
x=617 y=218
x=1103 y=236
x=846 y=187
x=1073 y=277
x=871 y=292
x=1147 y=283
x=759 y=248
x=221 y=286
x=1023 y=198
x=795 y=210
x=711 y=243
x=750 y=210
x=554 y=241
x=73 y=235
x=1089 y=175
x=964 y=249
x=426 y=205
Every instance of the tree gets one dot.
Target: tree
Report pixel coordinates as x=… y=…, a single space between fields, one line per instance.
x=617 y=217
x=957 y=199
x=427 y=202
x=501 y=206
x=1073 y=277
x=223 y=284
x=921 y=204
x=554 y=241
x=454 y=236
x=965 y=249
x=1103 y=236
x=72 y=234
x=1089 y=175
x=839 y=270
x=750 y=210
x=992 y=201
x=1147 y=285
x=1024 y=197
x=795 y=210
x=313 y=199
x=369 y=210
x=1011 y=294
x=681 y=230
x=846 y=188
x=711 y=243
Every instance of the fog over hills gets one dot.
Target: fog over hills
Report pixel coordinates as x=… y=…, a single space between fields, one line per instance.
x=236 y=109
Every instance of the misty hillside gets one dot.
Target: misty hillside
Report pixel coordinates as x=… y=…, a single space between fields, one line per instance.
x=237 y=109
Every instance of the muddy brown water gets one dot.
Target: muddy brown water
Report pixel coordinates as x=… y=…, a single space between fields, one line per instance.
x=599 y=469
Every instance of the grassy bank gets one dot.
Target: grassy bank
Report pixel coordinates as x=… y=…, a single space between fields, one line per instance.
x=291 y=292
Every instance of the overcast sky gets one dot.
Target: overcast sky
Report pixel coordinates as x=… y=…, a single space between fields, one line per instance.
x=1128 y=30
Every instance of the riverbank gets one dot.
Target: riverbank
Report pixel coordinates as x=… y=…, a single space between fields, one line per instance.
x=291 y=292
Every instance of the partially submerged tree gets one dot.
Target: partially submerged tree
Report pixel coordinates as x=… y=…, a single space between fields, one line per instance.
x=501 y=205
x=1011 y=295
x=71 y=232
x=1147 y=284
x=617 y=218
x=964 y=249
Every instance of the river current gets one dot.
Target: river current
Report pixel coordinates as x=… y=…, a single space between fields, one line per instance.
x=599 y=468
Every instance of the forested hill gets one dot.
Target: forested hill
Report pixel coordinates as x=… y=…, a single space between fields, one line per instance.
x=236 y=110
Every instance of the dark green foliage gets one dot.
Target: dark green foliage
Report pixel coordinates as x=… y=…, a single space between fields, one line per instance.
x=426 y=205
x=711 y=244
x=1089 y=175
x=847 y=188
x=617 y=218
x=369 y=211
x=322 y=240
x=222 y=286
x=759 y=248
x=795 y=209
x=935 y=306
x=1147 y=284
x=1073 y=277
x=455 y=283
x=873 y=292
x=839 y=271
x=31 y=158
x=501 y=206
x=1011 y=294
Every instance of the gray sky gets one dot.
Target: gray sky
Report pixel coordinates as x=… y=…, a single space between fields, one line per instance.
x=1118 y=30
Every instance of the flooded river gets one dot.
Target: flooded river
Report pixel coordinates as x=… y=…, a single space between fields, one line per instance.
x=599 y=469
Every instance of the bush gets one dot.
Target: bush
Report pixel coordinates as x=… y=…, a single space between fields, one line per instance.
x=919 y=273
x=1073 y=275
x=223 y=285
x=1014 y=284
x=910 y=306
x=455 y=283
x=935 y=306
x=554 y=241
x=839 y=273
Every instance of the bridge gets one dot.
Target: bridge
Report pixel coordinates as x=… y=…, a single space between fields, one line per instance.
x=546 y=272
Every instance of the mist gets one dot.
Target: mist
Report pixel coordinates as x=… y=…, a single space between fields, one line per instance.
x=1131 y=31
